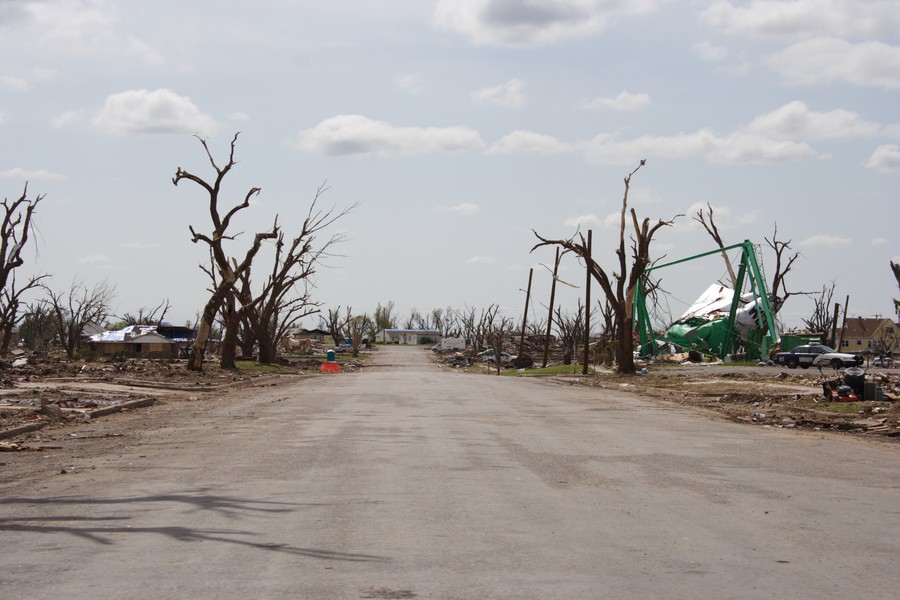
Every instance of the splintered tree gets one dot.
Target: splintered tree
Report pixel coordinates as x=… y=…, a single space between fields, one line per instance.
x=15 y=227
x=145 y=315
x=74 y=309
x=228 y=268
x=355 y=327
x=895 y=268
x=621 y=287
x=285 y=297
x=821 y=318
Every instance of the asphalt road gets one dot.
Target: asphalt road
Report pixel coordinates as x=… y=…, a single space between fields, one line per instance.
x=411 y=481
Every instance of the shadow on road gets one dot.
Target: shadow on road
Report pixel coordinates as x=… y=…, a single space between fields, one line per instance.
x=102 y=530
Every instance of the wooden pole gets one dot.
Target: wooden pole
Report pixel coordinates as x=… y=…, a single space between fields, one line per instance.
x=833 y=339
x=550 y=316
x=525 y=316
x=843 y=323
x=589 y=263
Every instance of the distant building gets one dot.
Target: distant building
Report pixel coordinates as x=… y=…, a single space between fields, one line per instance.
x=149 y=341
x=874 y=335
x=412 y=337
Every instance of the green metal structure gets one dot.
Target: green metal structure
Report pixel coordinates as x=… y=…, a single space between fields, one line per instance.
x=717 y=336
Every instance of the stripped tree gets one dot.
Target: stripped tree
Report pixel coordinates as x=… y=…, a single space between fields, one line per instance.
x=228 y=268
x=621 y=287
x=285 y=296
x=15 y=227
x=73 y=310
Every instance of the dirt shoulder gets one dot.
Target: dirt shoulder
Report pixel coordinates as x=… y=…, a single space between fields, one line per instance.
x=757 y=396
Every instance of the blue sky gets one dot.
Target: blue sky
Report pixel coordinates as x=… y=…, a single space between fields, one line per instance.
x=458 y=126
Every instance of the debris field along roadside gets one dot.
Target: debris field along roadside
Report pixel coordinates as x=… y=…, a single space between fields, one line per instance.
x=757 y=395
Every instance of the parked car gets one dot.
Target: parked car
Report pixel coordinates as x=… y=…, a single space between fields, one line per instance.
x=506 y=359
x=816 y=355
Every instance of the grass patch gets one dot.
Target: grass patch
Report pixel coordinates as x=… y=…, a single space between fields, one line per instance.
x=251 y=365
x=843 y=407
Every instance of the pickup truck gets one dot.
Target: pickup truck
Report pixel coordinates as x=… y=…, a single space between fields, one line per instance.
x=816 y=355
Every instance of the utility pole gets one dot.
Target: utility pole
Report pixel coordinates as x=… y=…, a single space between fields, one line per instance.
x=550 y=316
x=589 y=263
x=833 y=339
x=525 y=316
x=843 y=322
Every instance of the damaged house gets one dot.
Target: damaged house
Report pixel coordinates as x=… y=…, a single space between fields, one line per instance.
x=149 y=341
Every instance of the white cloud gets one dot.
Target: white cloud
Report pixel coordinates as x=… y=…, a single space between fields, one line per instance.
x=465 y=208
x=880 y=242
x=482 y=260
x=643 y=197
x=794 y=121
x=161 y=111
x=711 y=52
x=69 y=118
x=844 y=18
x=885 y=159
x=508 y=95
x=532 y=22
x=345 y=135
x=624 y=101
x=831 y=60
x=14 y=84
x=736 y=148
x=66 y=27
x=94 y=259
x=239 y=117
x=21 y=174
x=410 y=83
x=725 y=218
x=589 y=220
x=528 y=142
x=828 y=241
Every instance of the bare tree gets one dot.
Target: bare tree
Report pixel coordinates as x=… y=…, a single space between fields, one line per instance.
x=497 y=328
x=484 y=326
x=74 y=309
x=38 y=326
x=334 y=324
x=10 y=304
x=15 y=227
x=621 y=288
x=821 y=318
x=355 y=327
x=229 y=269
x=417 y=320
x=896 y=270
x=784 y=260
x=452 y=326
x=146 y=316
x=467 y=326
x=570 y=330
x=383 y=317
x=709 y=224
x=285 y=297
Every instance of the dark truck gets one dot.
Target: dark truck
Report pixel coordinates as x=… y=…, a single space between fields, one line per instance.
x=816 y=355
